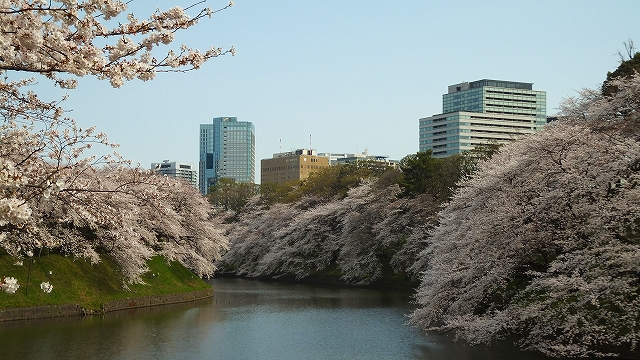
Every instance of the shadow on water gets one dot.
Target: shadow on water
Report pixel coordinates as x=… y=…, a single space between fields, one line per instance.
x=249 y=319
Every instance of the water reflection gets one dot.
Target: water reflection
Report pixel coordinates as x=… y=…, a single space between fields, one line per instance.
x=248 y=319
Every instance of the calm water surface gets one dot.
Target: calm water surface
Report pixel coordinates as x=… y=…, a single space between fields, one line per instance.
x=249 y=319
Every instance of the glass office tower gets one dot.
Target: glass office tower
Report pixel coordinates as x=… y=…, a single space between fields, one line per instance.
x=227 y=150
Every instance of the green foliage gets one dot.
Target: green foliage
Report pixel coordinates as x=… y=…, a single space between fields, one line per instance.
x=388 y=178
x=626 y=68
x=76 y=281
x=272 y=193
x=422 y=173
x=231 y=195
x=419 y=171
x=335 y=181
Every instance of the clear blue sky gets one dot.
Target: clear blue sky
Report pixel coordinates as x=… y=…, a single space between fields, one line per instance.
x=352 y=74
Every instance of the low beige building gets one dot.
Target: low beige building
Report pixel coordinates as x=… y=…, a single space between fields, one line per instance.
x=291 y=166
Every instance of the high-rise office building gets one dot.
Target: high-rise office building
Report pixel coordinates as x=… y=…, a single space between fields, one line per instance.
x=483 y=112
x=186 y=172
x=227 y=150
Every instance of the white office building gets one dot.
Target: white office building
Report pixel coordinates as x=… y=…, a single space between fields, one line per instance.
x=480 y=113
x=184 y=171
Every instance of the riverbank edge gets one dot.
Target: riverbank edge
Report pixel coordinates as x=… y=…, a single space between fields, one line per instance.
x=328 y=279
x=51 y=311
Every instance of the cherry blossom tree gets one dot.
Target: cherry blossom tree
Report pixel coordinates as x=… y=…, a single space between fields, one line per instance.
x=263 y=242
x=92 y=38
x=132 y=215
x=353 y=238
x=51 y=194
x=542 y=241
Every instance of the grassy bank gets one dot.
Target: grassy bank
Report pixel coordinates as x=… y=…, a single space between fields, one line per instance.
x=90 y=286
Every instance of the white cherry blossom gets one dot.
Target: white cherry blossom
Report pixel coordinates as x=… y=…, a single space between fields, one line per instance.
x=9 y=285
x=54 y=196
x=542 y=241
x=46 y=287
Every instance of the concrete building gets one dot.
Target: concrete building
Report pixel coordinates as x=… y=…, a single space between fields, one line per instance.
x=291 y=166
x=179 y=170
x=333 y=157
x=377 y=161
x=227 y=150
x=483 y=112
x=344 y=158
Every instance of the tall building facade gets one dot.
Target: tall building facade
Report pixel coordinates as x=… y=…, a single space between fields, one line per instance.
x=483 y=112
x=227 y=150
x=184 y=171
x=291 y=166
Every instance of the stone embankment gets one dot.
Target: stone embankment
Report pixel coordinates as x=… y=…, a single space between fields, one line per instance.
x=49 y=311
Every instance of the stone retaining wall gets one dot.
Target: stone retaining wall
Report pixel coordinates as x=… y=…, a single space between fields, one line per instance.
x=40 y=312
x=49 y=311
x=132 y=303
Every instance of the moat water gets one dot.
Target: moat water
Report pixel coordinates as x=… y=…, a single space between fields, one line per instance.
x=250 y=319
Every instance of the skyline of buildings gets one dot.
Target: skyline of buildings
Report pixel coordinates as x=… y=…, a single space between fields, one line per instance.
x=482 y=112
x=227 y=150
x=473 y=114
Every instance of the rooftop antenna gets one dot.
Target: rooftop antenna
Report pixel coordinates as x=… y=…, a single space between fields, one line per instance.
x=281 y=145
x=310 y=146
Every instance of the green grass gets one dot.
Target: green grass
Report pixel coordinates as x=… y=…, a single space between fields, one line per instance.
x=90 y=286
